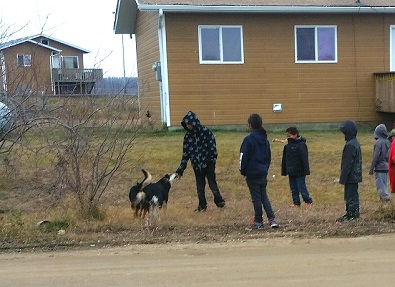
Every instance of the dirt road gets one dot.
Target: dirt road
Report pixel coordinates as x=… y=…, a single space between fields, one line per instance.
x=367 y=261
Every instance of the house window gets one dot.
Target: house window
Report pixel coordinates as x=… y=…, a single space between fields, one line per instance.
x=70 y=62
x=24 y=60
x=315 y=44
x=220 y=45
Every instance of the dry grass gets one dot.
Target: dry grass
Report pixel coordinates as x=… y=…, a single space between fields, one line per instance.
x=25 y=200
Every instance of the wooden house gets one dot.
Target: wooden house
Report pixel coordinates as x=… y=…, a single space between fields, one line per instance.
x=301 y=62
x=43 y=64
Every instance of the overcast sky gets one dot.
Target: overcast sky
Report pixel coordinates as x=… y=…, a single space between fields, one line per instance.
x=84 y=23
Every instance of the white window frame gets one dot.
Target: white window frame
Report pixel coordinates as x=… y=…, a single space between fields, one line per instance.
x=220 y=61
x=26 y=60
x=316 y=45
x=392 y=48
x=73 y=57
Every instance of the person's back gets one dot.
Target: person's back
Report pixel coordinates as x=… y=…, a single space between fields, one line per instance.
x=255 y=157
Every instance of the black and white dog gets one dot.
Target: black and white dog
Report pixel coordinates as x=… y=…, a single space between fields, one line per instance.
x=146 y=196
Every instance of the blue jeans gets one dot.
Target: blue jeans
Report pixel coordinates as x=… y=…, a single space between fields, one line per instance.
x=259 y=198
x=298 y=186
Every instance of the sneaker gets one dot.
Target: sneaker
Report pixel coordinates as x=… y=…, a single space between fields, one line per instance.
x=345 y=217
x=294 y=205
x=221 y=204
x=199 y=209
x=273 y=223
x=254 y=226
x=342 y=218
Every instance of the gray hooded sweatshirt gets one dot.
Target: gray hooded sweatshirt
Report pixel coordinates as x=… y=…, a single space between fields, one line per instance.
x=380 y=150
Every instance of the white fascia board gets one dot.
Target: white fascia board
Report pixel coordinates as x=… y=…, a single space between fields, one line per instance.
x=45 y=46
x=266 y=9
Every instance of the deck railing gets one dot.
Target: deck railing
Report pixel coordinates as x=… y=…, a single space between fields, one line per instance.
x=76 y=75
x=385 y=92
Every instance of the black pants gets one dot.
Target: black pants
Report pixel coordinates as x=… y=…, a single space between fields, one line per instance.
x=351 y=198
x=209 y=173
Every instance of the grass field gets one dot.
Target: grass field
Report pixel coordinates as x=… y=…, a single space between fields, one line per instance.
x=26 y=198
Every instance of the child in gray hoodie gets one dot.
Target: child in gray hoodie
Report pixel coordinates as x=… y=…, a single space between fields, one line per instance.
x=380 y=161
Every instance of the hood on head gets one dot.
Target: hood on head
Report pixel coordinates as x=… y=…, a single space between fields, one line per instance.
x=192 y=119
x=380 y=132
x=349 y=129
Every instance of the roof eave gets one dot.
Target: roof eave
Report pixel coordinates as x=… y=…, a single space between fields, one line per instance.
x=125 y=17
x=126 y=12
x=267 y=9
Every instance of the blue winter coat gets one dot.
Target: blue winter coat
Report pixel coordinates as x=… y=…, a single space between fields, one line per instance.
x=255 y=154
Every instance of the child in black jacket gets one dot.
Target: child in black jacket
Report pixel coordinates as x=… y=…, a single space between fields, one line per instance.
x=295 y=164
x=351 y=170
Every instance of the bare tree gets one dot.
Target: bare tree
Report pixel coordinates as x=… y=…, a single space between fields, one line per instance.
x=90 y=138
x=86 y=139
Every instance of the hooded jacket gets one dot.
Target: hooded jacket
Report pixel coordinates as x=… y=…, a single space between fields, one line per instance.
x=380 y=150
x=351 y=162
x=255 y=154
x=199 y=145
x=295 y=160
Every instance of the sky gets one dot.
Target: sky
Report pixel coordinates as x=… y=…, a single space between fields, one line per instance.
x=87 y=24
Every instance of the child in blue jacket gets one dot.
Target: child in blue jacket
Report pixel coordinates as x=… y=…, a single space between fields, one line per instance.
x=255 y=157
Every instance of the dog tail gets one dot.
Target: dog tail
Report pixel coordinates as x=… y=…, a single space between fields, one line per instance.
x=140 y=197
x=147 y=178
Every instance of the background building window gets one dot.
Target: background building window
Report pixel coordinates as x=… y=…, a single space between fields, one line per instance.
x=317 y=44
x=24 y=60
x=70 y=62
x=221 y=45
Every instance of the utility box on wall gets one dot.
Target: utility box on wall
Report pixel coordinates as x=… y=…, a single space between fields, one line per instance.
x=158 y=71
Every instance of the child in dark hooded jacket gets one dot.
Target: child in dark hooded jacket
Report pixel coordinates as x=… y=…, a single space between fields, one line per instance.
x=351 y=170
x=199 y=146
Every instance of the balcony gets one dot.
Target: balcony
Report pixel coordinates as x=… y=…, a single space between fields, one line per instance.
x=385 y=92
x=75 y=81
x=76 y=75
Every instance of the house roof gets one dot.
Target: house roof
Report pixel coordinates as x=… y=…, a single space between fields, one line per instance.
x=271 y=2
x=126 y=10
x=33 y=40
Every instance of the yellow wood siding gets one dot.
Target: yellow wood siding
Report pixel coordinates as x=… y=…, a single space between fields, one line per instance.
x=34 y=78
x=309 y=93
x=147 y=47
x=37 y=77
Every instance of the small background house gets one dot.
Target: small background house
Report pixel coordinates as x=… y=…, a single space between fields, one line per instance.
x=301 y=62
x=44 y=64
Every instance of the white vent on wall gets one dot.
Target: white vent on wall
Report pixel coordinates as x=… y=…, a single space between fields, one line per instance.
x=277 y=108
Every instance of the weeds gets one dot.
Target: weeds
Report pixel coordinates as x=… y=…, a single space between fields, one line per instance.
x=26 y=194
